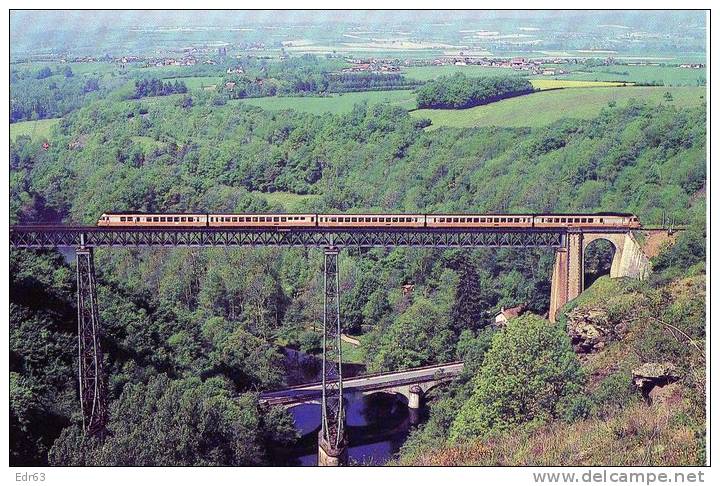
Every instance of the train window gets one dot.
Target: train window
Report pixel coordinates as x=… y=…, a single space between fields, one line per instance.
x=562 y=220
x=183 y=219
x=262 y=219
x=276 y=219
x=122 y=219
x=601 y=220
x=374 y=220
x=147 y=220
x=162 y=219
x=155 y=219
x=283 y=219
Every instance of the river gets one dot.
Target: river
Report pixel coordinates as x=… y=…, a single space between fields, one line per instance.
x=377 y=425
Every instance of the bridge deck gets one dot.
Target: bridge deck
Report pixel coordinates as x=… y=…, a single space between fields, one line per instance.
x=376 y=381
x=51 y=236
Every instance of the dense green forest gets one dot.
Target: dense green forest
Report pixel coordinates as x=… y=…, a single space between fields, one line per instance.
x=188 y=330
x=459 y=91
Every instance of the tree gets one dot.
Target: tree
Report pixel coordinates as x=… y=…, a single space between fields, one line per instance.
x=185 y=422
x=45 y=72
x=459 y=91
x=470 y=305
x=528 y=373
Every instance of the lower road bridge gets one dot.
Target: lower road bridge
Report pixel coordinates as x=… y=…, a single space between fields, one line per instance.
x=412 y=383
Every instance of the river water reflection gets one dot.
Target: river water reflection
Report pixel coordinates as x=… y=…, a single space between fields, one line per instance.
x=377 y=424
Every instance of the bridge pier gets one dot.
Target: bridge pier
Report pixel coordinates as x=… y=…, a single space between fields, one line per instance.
x=568 y=278
x=330 y=454
x=415 y=404
x=332 y=445
x=91 y=373
x=415 y=397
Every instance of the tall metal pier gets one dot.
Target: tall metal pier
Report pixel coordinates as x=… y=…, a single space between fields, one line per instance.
x=91 y=375
x=332 y=448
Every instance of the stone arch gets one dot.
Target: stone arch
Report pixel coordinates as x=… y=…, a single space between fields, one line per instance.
x=592 y=248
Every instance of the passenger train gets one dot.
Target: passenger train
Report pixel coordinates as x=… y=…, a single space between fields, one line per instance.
x=280 y=221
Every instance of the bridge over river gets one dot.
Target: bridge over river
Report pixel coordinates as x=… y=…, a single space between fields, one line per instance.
x=412 y=383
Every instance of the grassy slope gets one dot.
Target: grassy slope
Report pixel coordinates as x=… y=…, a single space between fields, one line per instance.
x=341 y=103
x=547 y=83
x=666 y=434
x=539 y=109
x=638 y=436
x=37 y=129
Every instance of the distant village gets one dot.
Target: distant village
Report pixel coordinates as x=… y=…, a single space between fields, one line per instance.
x=532 y=66
x=192 y=56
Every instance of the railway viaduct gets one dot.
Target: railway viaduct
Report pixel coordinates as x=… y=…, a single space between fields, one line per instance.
x=568 y=243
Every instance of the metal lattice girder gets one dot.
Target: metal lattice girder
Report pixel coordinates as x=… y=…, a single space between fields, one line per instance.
x=91 y=374
x=333 y=415
x=91 y=236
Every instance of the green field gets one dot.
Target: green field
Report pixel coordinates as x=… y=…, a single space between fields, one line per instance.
x=545 y=107
x=36 y=129
x=426 y=73
x=667 y=75
x=544 y=83
x=340 y=103
x=197 y=82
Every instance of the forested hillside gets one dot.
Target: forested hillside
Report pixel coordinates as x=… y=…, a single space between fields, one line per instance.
x=187 y=329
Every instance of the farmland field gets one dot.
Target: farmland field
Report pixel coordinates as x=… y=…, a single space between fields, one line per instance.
x=35 y=129
x=667 y=75
x=340 y=103
x=543 y=84
x=543 y=108
x=425 y=73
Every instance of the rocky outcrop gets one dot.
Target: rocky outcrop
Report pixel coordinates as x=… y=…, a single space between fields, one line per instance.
x=590 y=330
x=650 y=378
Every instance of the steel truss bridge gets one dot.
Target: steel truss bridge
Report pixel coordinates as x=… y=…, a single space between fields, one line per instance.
x=332 y=441
x=31 y=236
